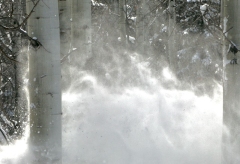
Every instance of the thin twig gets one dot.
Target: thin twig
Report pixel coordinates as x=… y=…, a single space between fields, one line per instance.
x=228 y=30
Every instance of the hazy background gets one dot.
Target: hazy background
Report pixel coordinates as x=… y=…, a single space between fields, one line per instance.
x=124 y=107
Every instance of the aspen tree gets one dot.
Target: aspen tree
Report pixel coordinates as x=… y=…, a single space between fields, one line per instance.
x=231 y=82
x=44 y=83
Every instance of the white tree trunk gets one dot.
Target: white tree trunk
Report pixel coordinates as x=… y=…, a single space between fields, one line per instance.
x=44 y=83
x=141 y=26
x=122 y=22
x=231 y=84
x=65 y=26
x=115 y=6
x=171 y=36
x=81 y=31
x=65 y=40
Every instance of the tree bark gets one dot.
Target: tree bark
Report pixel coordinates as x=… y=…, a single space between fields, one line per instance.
x=65 y=40
x=171 y=36
x=45 y=83
x=231 y=85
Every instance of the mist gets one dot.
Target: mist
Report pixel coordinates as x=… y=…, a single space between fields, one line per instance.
x=122 y=107
x=140 y=122
x=134 y=123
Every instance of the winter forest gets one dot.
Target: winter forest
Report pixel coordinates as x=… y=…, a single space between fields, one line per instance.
x=119 y=81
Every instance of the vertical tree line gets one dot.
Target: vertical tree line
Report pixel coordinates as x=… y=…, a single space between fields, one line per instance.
x=231 y=92
x=45 y=109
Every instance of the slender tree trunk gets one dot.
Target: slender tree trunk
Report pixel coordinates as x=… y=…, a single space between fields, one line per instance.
x=65 y=40
x=65 y=26
x=141 y=26
x=44 y=83
x=122 y=22
x=115 y=6
x=20 y=97
x=231 y=83
x=81 y=31
x=171 y=36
